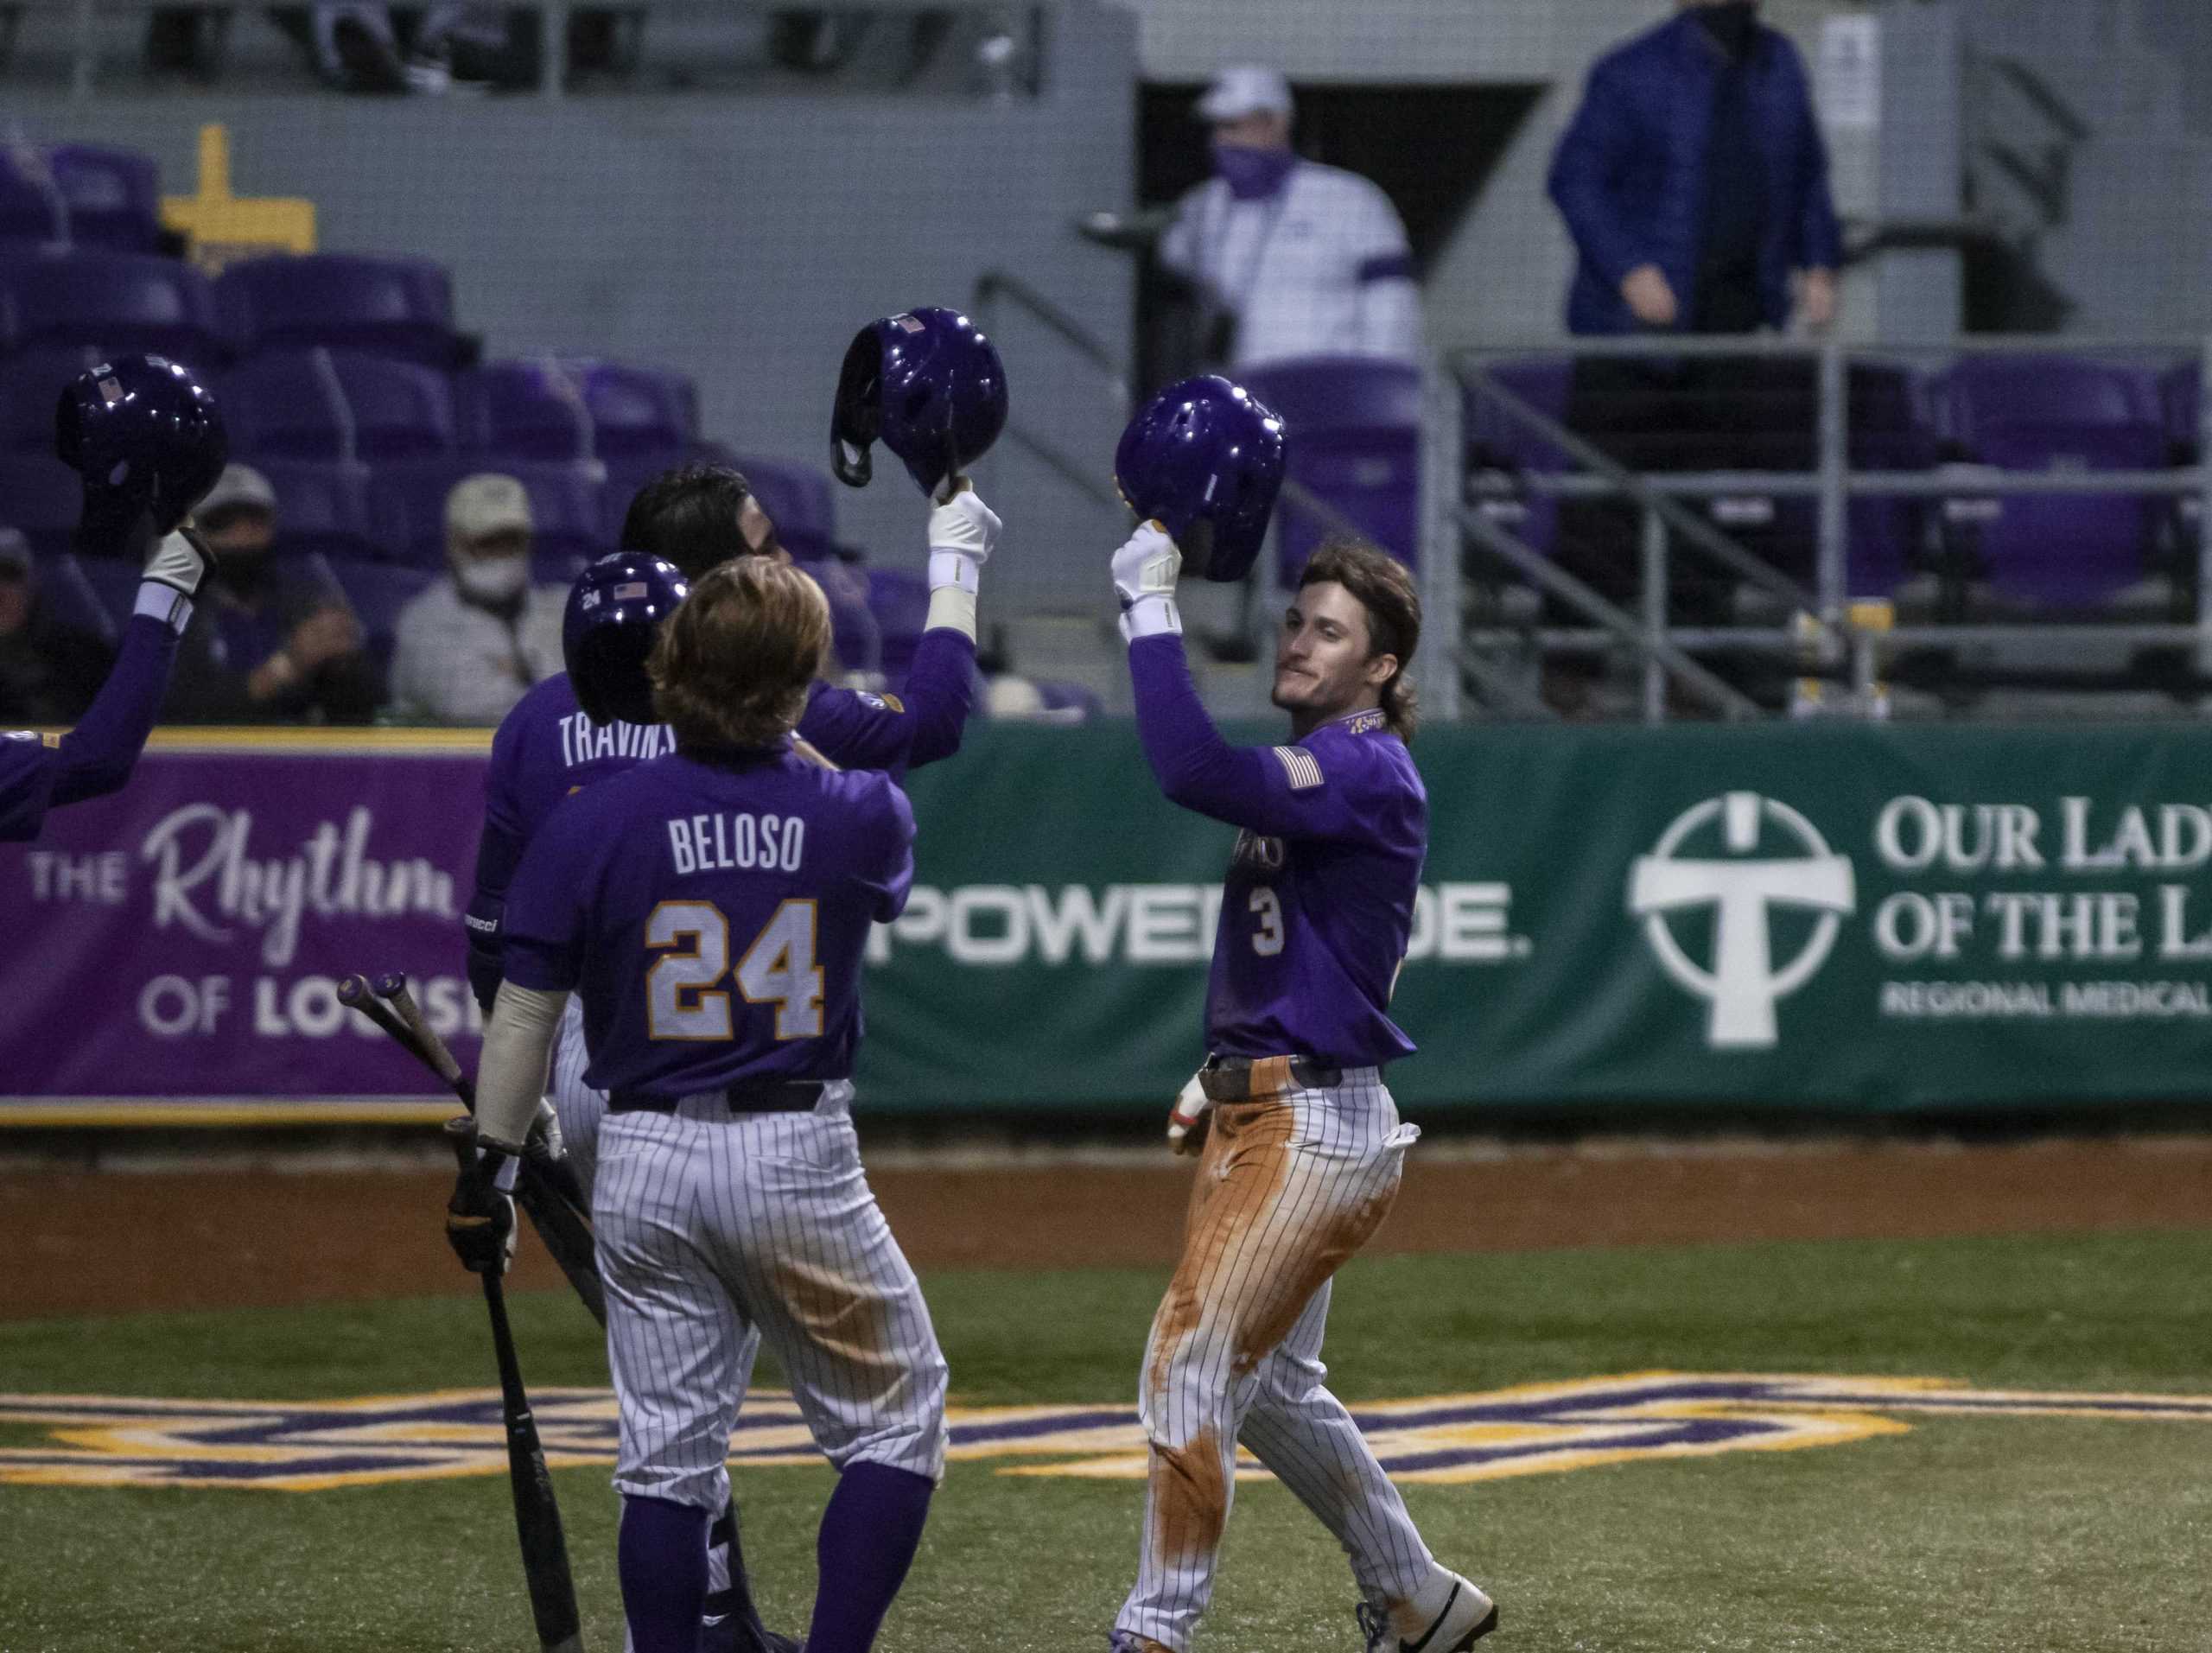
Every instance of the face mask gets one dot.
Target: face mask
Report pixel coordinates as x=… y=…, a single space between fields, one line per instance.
x=1252 y=175
x=1732 y=25
x=245 y=575
x=492 y=580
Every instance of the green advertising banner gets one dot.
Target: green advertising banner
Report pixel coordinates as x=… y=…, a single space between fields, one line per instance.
x=1778 y=916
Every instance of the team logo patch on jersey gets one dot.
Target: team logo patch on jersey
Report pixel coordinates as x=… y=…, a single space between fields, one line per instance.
x=1301 y=765
x=1534 y=1429
x=880 y=702
x=1366 y=722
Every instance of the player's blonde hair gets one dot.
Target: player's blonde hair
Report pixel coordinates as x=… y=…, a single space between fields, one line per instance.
x=732 y=666
x=1385 y=589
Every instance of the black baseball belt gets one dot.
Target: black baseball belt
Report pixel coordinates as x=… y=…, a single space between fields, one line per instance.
x=765 y=1097
x=1256 y=1078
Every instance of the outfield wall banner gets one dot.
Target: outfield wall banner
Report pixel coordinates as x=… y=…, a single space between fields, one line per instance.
x=1778 y=917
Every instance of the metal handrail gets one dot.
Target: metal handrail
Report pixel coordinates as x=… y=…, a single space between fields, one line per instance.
x=1087 y=344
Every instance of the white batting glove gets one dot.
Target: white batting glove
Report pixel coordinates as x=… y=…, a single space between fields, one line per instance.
x=180 y=561
x=962 y=532
x=1145 y=571
x=1186 y=1119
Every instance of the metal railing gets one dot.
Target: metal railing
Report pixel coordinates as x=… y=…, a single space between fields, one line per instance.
x=1824 y=627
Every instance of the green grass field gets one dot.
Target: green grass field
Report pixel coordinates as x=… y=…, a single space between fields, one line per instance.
x=1987 y=1534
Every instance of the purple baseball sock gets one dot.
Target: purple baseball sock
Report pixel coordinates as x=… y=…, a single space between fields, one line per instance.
x=868 y=1537
x=662 y=1558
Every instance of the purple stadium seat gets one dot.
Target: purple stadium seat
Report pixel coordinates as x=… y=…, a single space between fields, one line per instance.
x=2052 y=413
x=338 y=404
x=30 y=384
x=378 y=591
x=638 y=410
x=1070 y=703
x=407 y=508
x=67 y=596
x=797 y=499
x=899 y=600
x=855 y=634
x=114 y=197
x=1354 y=440
x=32 y=206
x=533 y=409
x=116 y=300
x=1501 y=449
x=40 y=496
x=401 y=307
x=321 y=505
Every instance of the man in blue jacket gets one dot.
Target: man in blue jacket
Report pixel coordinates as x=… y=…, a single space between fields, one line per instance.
x=1695 y=183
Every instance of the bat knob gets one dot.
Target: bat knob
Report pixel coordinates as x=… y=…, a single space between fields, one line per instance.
x=353 y=990
x=460 y=1136
x=391 y=985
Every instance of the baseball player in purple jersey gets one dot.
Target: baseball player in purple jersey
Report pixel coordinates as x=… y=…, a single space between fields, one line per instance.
x=1301 y=1145
x=711 y=910
x=95 y=758
x=696 y=518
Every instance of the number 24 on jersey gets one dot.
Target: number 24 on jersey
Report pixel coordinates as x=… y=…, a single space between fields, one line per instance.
x=683 y=1000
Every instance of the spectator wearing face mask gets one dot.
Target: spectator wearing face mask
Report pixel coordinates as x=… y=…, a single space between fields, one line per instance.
x=49 y=670
x=273 y=641
x=466 y=649
x=1290 y=257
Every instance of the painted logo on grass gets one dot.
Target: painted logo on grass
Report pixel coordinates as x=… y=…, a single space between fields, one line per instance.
x=1532 y=1429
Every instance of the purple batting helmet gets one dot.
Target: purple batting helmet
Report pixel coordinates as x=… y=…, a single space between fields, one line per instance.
x=1205 y=459
x=929 y=386
x=614 y=613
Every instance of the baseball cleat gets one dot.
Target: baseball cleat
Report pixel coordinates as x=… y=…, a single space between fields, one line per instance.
x=1123 y=1641
x=1466 y=1617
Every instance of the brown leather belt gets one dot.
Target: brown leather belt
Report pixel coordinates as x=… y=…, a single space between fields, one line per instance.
x=769 y=1096
x=1255 y=1078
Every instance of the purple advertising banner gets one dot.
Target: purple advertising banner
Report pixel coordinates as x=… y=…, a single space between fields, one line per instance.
x=185 y=938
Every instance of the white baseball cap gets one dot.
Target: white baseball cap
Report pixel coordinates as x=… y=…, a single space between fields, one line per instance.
x=485 y=504
x=1245 y=89
x=240 y=487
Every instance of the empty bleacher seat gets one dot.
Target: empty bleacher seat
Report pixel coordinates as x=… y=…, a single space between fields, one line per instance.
x=378 y=591
x=1353 y=427
x=40 y=496
x=529 y=410
x=116 y=300
x=898 y=602
x=2062 y=414
x=1502 y=451
x=32 y=208
x=338 y=404
x=321 y=505
x=68 y=597
x=401 y=307
x=798 y=501
x=638 y=410
x=31 y=385
x=113 y=196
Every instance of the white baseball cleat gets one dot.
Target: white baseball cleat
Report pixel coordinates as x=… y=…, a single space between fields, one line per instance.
x=1464 y=1617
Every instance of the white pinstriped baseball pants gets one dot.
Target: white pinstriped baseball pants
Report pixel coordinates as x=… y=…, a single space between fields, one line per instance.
x=1287 y=1189
x=717 y=1230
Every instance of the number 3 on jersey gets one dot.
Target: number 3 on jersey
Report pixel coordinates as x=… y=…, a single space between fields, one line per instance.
x=682 y=1000
x=1267 y=941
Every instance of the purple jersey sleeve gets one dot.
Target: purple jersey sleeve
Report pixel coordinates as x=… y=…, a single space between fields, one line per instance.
x=96 y=757
x=887 y=868
x=498 y=852
x=1288 y=792
x=545 y=916
x=861 y=731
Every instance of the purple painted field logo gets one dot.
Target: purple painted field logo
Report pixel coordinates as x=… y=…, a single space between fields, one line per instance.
x=1537 y=1428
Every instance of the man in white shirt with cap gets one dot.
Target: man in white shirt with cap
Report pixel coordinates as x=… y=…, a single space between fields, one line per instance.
x=1291 y=257
x=466 y=650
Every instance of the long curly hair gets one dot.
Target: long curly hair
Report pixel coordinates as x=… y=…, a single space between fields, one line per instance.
x=1385 y=589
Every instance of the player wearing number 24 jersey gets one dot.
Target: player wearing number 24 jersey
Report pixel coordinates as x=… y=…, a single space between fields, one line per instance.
x=1302 y=1143
x=711 y=910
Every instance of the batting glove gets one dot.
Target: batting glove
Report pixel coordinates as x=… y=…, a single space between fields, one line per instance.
x=962 y=532
x=181 y=561
x=480 y=1222
x=1186 y=1120
x=1145 y=571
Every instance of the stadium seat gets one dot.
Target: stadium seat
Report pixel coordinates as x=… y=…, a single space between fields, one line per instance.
x=113 y=196
x=321 y=505
x=407 y=507
x=1354 y=441
x=32 y=208
x=1070 y=703
x=639 y=411
x=533 y=409
x=2065 y=413
x=855 y=635
x=798 y=501
x=898 y=601
x=400 y=308
x=338 y=404
x=67 y=596
x=1502 y=450
x=378 y=591
x=40 y=496
x=30 y=384
x=116 y=301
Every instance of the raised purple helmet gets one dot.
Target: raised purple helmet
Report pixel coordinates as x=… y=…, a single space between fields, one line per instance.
x=1205 y=459
x=147 y=439
x=926 y=384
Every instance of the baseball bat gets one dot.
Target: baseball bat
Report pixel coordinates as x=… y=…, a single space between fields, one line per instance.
x=546 y=1188
x=538 y=1513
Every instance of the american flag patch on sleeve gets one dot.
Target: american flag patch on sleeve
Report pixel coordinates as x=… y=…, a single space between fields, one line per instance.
x=1303 y=768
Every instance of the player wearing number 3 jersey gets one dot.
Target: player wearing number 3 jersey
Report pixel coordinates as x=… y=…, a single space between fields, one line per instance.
x=1301 y=1145
x=710 y=909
